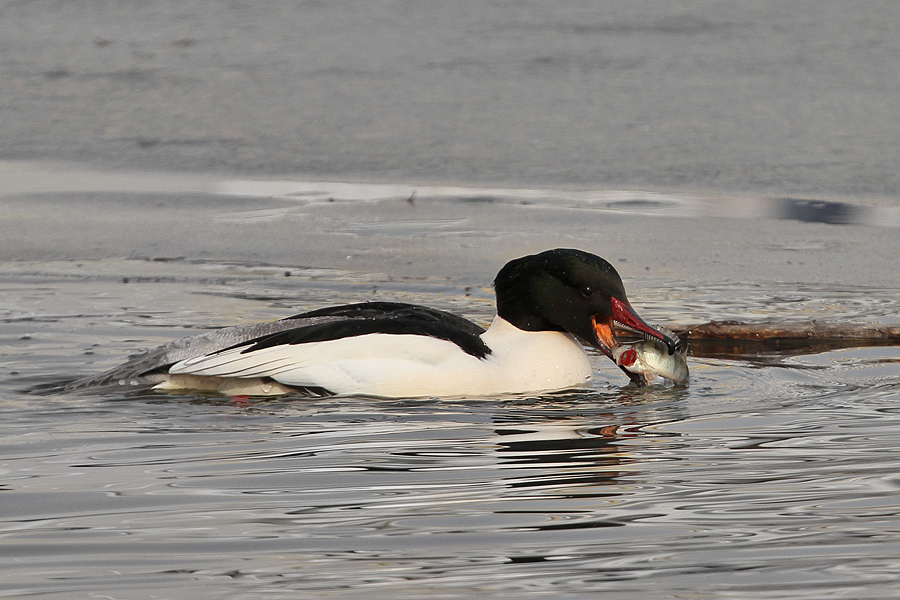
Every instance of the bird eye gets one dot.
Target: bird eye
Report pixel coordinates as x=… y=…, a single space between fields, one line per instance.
x=587 y=291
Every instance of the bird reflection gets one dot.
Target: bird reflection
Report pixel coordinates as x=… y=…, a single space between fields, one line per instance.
x=584 y=450
x=576 y=456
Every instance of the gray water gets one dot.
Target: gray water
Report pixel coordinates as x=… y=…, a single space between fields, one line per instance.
x=732 y=160
x=780 y=97
x=768 y=477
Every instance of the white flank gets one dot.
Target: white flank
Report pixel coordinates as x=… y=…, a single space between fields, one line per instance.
x=410 y=365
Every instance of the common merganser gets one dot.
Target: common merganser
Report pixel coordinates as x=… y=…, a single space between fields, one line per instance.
x=547 y=304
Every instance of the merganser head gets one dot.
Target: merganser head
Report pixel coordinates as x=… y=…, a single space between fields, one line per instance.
x=573 y=291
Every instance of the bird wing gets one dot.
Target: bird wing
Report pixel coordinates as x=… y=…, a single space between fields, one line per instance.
x=267 y=348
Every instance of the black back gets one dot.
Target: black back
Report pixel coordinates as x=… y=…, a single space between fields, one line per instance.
x=377 y=317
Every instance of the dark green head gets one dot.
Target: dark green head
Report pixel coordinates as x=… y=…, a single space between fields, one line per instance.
x=568 y=290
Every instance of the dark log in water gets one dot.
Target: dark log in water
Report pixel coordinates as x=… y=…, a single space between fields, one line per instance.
x=735 y=339
x=772 y=330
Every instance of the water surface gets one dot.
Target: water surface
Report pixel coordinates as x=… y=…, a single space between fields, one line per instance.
x=768 y=477
x=771 y=476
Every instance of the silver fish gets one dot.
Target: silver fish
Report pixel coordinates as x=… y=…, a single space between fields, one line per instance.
x=652 y=358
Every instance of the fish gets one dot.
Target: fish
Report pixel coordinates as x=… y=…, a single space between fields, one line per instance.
x=651 y=358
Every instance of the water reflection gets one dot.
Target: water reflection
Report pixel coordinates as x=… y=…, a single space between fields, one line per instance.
x=616 y=485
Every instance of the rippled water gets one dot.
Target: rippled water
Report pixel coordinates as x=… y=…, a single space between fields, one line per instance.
x=770 y=477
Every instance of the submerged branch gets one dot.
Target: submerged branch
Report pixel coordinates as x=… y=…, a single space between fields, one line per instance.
x=722 y=339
